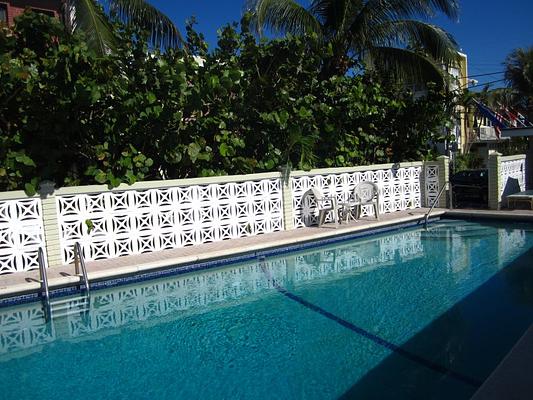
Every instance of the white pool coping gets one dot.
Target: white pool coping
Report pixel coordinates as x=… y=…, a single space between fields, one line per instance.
x=61 y=276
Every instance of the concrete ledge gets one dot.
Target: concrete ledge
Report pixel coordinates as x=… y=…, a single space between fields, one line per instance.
x=509 y=215
x=362 y=168
x=63 y=276
x=513 y=378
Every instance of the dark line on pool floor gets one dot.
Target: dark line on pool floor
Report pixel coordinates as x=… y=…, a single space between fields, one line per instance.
x=376 y=339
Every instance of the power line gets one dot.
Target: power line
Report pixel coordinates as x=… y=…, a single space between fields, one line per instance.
x=478 y=75
x=482 y=63
x=487 y=83
x=489 y=73
x=480 y=84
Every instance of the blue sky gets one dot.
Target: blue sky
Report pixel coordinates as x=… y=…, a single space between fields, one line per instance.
x=487 y=30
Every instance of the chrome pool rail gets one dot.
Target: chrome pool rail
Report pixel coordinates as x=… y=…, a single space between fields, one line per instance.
x=79 y=261
x=43 y=277
x=450 y=199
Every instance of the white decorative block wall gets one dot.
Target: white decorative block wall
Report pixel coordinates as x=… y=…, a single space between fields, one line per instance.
x=133 y=222
x=21 y=235
x=399 y=190
x=515 y=170
x=431 y=183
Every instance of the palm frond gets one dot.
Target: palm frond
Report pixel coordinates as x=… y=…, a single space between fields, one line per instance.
x=396 y=9
x=519 y=70
x=428 y=38
x=91 y=20
x=450 y=8
x=376 y=12
x=496 y=98
x=163 y=32
x=332 y=14
x=405 y=65
x=283 y=16
x=362 y=28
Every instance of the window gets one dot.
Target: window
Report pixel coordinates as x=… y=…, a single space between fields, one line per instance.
x=3 y=13
x=45 y=12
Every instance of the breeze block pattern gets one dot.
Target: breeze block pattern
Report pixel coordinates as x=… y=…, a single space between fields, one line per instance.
x=399 y=190
x=115 y=224
x=432 y=183
x=512 y=169
x=21 y=234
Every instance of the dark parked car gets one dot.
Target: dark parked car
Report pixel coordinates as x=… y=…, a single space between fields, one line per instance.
x=470 y=188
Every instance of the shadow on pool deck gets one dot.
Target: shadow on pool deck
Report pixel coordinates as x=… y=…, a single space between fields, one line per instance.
x=470 y=339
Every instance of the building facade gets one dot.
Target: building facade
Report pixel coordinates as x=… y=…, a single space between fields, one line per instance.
x=10 y=9
x=460 y=82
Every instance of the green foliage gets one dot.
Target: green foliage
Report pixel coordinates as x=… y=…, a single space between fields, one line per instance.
x=517 y=145
x=90 y=225
x=72 y=117
x=467 y=161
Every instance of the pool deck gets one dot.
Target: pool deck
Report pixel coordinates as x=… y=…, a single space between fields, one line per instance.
x=61 y=276
x=502 y=215
x=513 y=378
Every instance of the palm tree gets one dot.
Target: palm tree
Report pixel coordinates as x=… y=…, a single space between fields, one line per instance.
x=88 y=16
x=519 y=76
x=381 y=33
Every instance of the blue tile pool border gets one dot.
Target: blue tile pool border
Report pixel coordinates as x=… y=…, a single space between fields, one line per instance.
x=169 y=271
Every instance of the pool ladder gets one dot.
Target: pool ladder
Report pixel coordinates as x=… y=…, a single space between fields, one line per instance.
x=450 y=199
x=68 y=306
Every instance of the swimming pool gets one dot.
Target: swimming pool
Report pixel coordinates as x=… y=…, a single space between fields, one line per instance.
x=409 y=314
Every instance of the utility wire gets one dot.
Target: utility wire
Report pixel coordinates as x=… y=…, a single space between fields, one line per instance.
x=478 y=75
x=487 y=83
x=479 y=84
x=489 y=73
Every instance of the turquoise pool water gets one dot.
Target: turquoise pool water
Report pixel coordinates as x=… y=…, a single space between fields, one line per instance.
x=412 y=314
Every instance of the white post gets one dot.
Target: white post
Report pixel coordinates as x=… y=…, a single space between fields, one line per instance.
x=495 y=181
x=444 y=176
x=288 y=213
x=50 y=223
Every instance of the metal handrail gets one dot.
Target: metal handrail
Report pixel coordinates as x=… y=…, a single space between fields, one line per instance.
x=43 y=279
x=43 y=276
x=79 y=260
x=447 y=183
